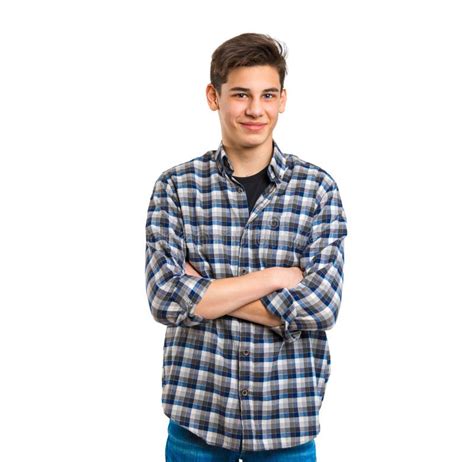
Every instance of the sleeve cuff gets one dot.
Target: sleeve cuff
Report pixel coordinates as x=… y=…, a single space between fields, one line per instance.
x=280 y=304
x=188 y=293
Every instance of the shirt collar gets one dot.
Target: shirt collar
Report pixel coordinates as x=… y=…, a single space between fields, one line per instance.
x=276 y=167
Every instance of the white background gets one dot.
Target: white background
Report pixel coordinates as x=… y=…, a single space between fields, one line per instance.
x=97 y=98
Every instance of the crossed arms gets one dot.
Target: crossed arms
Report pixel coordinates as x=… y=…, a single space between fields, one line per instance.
x=277 y=297
x=244 y=292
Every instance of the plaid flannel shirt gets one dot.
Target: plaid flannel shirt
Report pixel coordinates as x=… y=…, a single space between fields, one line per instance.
x=234 y=383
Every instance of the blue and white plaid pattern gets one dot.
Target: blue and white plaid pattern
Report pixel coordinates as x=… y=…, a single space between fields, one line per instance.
x=230 y=380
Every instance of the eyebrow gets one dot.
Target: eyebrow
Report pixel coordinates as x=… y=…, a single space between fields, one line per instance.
x=273 y=89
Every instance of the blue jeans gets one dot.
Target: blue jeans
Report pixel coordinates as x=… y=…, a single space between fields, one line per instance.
x=184 y=446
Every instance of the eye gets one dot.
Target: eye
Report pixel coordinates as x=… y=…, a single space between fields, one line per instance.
x=240 y=95
x=269 y=95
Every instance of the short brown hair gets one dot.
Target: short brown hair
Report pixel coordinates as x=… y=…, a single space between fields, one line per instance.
x=247 y=49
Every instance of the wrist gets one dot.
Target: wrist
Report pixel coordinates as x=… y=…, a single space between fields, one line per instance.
x=274 y=278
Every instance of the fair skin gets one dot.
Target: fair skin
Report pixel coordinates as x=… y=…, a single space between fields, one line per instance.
x=239 y=296
x=248 y=106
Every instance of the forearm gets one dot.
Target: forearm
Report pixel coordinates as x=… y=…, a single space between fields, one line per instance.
x=223 y=296
x=256 y=312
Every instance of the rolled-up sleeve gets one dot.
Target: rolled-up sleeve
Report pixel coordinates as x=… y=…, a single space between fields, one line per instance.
x=172 y=294
x=313 y=304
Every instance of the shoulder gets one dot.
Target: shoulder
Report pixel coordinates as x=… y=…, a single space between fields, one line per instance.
x=317 y=177
x=188 y=170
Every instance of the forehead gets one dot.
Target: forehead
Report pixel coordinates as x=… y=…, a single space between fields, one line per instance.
x=253 y=77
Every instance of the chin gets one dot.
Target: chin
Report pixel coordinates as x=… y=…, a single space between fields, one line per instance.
x=250 y=141
x=250 y=144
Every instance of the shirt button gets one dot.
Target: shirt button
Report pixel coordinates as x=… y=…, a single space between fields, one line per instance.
x=246 y=352
x=244 y=392
x=243 y=271
x=274 y=223
x=240 y=189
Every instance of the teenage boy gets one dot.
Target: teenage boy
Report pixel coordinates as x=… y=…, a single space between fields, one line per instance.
x=244 y=265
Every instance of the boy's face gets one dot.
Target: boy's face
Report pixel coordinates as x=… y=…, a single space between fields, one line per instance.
x=248 y=106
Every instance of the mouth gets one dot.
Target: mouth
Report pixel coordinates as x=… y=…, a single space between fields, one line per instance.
x=254 y=127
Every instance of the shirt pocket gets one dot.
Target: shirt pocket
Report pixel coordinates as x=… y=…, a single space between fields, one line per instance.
x=282 y=239
x=208 y=247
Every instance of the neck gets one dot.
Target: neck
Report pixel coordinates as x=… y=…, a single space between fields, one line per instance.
x=248 y=161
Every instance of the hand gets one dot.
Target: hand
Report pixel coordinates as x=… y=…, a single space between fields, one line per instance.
x=190 y=271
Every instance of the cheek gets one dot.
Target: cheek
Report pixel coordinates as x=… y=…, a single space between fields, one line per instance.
x=224 y=117
x=274 y=111
x=229 y=116
x=273 y=116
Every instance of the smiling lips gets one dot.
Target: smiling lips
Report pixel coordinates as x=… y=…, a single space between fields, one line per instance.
x=253 y=126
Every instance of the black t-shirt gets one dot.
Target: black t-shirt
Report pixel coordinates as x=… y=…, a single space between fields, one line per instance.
x=254 y=185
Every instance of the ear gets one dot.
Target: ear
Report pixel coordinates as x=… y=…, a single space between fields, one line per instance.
x=212 y=97
x=281 y=107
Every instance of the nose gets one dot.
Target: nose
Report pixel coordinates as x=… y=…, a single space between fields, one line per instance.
x=254 y=108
